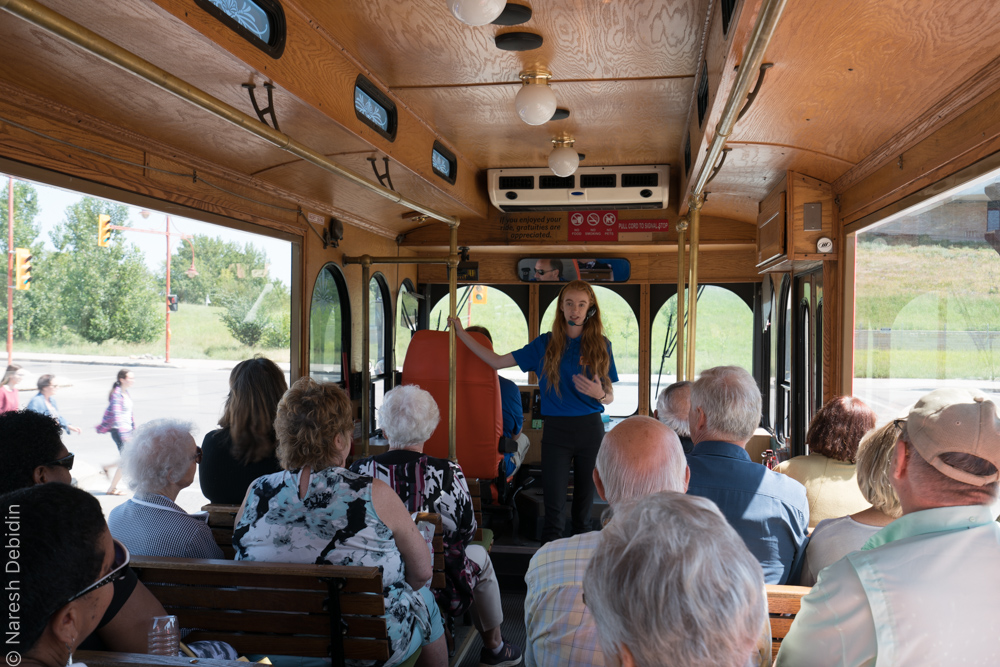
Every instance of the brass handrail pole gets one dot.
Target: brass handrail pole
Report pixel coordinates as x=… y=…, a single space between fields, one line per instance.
x=366 y=375
x=679 y=351
x=452 y=346
x=694 y=215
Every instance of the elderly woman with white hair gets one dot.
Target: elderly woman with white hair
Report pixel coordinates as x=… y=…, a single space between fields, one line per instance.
x=160 y=460
x=409 y=416
x=672 y=583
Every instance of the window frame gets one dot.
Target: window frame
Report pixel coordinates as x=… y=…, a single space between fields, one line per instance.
x=388 y=340
x=340 y=282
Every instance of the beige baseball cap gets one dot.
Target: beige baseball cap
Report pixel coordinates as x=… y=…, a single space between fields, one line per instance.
x=963 y=421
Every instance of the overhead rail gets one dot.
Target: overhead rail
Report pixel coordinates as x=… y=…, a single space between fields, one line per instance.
x=108 y=51
x=750 y=69
x=43 y=17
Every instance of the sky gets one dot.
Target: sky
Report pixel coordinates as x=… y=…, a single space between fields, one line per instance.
x=52 y=204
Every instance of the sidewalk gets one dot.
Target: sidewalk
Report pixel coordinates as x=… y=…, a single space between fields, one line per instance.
x=132 y=362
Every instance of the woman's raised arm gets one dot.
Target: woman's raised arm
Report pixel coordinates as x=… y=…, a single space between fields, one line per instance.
x=494 y=360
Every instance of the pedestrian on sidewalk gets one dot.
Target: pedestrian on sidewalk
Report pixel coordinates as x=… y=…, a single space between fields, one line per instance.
x=44 y=402
x=119 y=422
x=8 y=388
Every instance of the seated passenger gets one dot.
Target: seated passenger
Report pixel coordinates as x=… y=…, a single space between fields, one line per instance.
x=637 y=457
x=672 y=408
x=160 y=460
x=31 y=452
x=513 y=416
x=243 y=449
x=832 y=539
x=44 y=402
x=671 y=583
x=769 y=511
x=922 y=591
x=828 y=471
x=58 y=576
x=317 y=511
x=426 y=484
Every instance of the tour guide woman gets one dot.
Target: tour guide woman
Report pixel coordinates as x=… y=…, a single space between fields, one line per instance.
x=578 y=356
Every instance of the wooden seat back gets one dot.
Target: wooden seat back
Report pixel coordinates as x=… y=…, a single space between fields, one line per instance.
x=438 y=579
x=292 y=609
x=782 y=605
x=221 y=519
x=475 y=489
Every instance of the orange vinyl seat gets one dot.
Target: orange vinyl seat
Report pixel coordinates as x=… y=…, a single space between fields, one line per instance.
x=479 y=423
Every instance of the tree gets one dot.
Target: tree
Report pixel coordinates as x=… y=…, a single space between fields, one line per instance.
x=220 y=264
x=32 y=313
x=104 y=293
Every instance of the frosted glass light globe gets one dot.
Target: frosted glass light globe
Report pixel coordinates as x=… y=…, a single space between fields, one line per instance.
x=476 y=12
x=564 y=160
x=535 y=103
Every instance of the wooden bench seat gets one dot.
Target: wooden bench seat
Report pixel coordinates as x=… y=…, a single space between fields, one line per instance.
x=113 y=659
x=274 y=608
x=484 y=536
x=782 y=605
x=221 y=519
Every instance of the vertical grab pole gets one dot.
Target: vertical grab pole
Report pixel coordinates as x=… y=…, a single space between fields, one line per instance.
x=366 y=376
x=452 y=343
x=682 y=226
x=694 y=214
x=10 y=270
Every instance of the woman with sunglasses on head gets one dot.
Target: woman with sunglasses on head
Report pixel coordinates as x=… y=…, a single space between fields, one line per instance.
x=118 y=420
x=44 y=402
x=160 y=460
x=65 y=562
x=576 y=369
x=9 y=399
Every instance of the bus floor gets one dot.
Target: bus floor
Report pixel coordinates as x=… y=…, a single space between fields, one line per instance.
x=512 y=629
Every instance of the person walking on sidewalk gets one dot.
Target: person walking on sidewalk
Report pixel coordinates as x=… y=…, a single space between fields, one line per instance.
x=8 y=388
x=118 y=421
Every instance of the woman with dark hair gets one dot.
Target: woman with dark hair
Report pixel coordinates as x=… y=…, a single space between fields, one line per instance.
x=828 y=471
x=65 y=561
x=576 y=369
x=119 y=421
x=317 y=511
x=44 y=402
x=9 y=399
x=243 y=449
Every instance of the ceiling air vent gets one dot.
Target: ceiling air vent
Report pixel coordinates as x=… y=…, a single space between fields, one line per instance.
x=598 y=180
x=517 y=183
x=650 y=180
x=555 y=182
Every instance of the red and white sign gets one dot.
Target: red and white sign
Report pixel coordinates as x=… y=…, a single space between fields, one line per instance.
x=605 y=226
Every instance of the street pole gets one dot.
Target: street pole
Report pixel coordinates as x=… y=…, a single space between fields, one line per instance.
x=166 y=298
x=10 y=270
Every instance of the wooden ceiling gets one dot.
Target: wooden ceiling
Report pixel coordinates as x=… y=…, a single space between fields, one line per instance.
x=850 y=78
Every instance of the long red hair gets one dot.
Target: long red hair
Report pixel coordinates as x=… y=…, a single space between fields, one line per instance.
x=593 y=345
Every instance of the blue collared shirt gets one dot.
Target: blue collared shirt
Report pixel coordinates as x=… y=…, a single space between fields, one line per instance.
x=769 y=511
x=510 y=402
x=568 y=402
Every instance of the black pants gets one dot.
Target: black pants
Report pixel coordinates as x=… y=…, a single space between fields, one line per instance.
x=565 y=441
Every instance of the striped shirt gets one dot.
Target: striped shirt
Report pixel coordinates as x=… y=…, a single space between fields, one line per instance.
x=561 y=630
x=153 y=525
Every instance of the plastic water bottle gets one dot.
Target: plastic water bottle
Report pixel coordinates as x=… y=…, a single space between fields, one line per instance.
x=164 y=636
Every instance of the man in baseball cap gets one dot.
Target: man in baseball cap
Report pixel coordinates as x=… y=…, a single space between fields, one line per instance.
x=922 y=590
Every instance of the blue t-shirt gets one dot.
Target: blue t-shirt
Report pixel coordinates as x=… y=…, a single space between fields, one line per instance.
x=510 y=402
x=570 y=403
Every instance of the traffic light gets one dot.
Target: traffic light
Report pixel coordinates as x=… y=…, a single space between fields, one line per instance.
x=22 y=268
x=172 y=302
x=103 y=229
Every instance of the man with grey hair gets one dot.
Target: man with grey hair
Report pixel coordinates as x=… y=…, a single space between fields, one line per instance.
x=672 y=583
x=921 y=591
x=769 y=511
x=672 y=408
x=637 y=457
x=159 y=461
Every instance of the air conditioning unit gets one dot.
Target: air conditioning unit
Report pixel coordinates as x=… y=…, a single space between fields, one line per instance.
x=538 y=189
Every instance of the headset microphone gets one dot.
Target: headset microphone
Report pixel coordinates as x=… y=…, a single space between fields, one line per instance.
x=590 y=313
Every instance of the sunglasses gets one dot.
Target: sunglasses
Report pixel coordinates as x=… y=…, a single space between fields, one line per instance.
x=117 y=572
x=197 y=455
x=64 y=462
x=542 y=272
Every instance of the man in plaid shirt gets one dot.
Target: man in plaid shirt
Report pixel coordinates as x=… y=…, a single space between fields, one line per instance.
x=638 y=457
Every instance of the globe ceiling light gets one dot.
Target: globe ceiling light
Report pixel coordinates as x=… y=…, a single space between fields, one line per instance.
x=476 y=12
x=563 y=160
x=535 y=102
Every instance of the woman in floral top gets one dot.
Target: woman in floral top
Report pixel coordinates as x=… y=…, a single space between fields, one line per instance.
x=315 y=511
x=409 y=416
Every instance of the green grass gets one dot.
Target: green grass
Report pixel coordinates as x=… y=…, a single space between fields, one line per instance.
x=196 y=333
